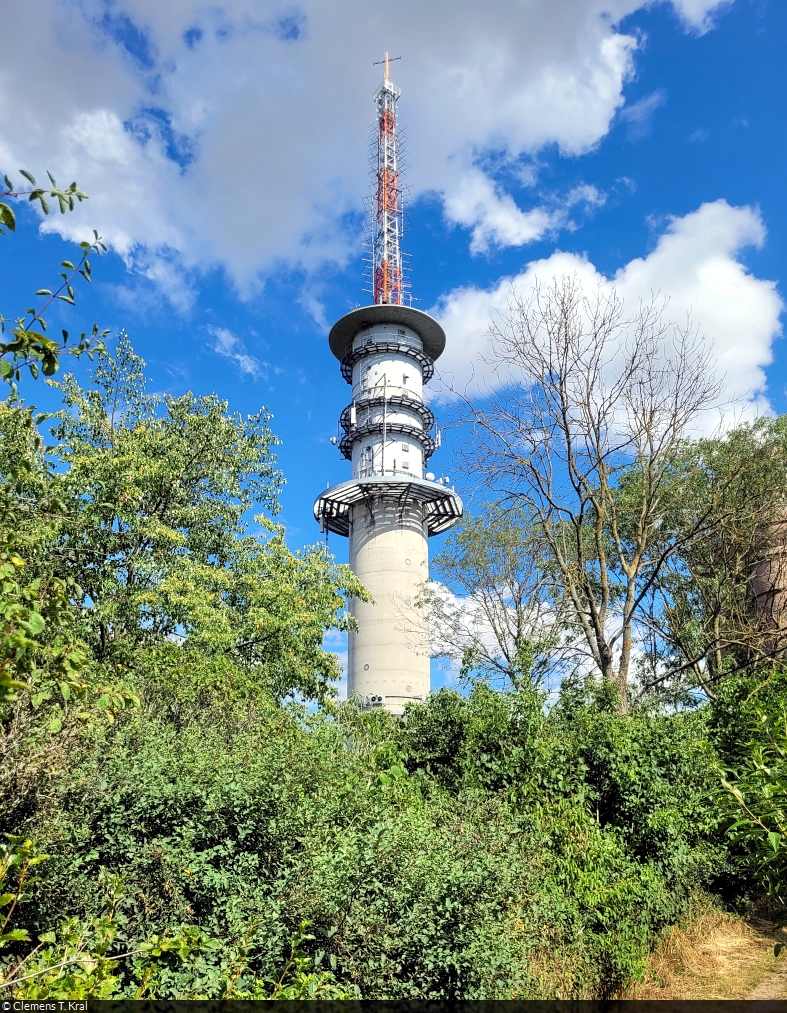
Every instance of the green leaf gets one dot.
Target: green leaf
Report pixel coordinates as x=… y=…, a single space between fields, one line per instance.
x=774 y=839
x=43 y=291
x=6 y=369
x=7 y=216
x=8 y=184
x=68 y=264
x=52 y=179
x=6 y=898
x=47 y=937
x=28 y=176
x=65 y=691
x=55 y=725
x=15 y=936
x=36 y=623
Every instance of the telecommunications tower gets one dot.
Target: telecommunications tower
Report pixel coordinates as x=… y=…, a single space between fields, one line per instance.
x=390 y=507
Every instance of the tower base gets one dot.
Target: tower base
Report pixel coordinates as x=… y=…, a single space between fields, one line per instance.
x=388 y=520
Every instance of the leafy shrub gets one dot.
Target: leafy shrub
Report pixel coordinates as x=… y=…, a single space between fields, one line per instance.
x=460 y=855
x=755 y=802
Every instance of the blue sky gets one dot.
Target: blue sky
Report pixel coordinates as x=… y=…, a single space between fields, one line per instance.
x=224 y=150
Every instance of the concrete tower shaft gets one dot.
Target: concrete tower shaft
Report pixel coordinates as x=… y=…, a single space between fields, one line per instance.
x=388 y=664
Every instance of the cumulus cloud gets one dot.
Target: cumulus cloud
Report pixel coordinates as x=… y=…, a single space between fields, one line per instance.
x=695 y=264
x=231 y=347
x=698 y=14
x=496 y=220
x=235 y=133
x=493 y=216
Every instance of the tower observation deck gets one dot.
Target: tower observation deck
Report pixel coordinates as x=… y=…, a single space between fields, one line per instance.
x=389 y=508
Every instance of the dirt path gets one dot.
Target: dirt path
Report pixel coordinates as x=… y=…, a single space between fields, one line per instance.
x=716 y=956
x=773 y=987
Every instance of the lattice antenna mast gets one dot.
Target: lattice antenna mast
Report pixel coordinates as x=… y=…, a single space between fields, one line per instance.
x=387 y=224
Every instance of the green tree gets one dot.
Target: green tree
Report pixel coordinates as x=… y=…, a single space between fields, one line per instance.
x=24 y=603
x=717 y=609
x=27 y=345
x=494 y=604
x=32 y=601
x=141 y=575
x=148 y=524
x=149 y=482
x=592 y=395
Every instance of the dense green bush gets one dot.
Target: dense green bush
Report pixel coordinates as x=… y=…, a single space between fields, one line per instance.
x=481 y=849
x=754 y=801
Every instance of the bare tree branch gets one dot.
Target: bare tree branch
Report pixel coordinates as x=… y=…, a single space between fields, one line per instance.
x=585 y=432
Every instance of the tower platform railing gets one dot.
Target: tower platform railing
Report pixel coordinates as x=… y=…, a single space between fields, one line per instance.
x=442 y=506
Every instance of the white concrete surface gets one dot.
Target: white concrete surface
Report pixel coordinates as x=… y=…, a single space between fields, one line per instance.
x=389 y=555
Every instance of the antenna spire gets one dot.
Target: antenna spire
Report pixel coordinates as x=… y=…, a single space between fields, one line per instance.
x=387 y=224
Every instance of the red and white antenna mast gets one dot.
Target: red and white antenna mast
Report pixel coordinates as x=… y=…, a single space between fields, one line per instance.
x=387 y=222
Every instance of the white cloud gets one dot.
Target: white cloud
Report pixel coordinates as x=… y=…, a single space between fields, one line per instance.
x=235 y=133
x=494 y=217
x=695 y=264
x=698 y=14
x=639 y=114
x=585 y=194
x=460 y=622
x=231 y=347
x=497 y=221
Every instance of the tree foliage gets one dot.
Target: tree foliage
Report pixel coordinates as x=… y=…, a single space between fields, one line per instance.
x=718 y=607
x=494 y=603
x=142 y=591
x=27 y=345
x=755 y=801
x=591 y=394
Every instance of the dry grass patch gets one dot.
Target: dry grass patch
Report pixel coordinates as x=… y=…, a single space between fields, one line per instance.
x=715 y=955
